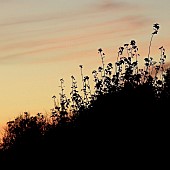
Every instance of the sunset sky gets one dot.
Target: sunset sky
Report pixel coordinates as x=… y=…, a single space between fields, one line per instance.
x=42 y=41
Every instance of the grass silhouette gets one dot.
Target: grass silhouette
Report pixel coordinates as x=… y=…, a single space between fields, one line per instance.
x=128 y=103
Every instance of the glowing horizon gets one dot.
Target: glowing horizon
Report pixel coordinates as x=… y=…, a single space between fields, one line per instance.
x=43 y=41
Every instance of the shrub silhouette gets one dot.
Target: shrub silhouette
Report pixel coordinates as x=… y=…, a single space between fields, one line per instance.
x=127 y=102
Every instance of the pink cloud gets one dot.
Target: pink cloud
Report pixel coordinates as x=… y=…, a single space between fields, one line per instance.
x=104 y=6
x=123 y=25
x=76 y=41
x=110 y=5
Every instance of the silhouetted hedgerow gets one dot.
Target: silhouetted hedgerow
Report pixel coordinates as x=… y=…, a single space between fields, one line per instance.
x=126 y=101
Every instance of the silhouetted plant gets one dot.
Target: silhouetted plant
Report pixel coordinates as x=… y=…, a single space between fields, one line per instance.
x=64 y=102
x=98 y=83
x=166 y=83
x=23 y=129
x=77 y=100
x=102 y=69
x=155 y=28
x=86 y=88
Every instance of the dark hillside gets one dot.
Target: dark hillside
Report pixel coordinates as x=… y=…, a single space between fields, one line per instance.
x=127 y=113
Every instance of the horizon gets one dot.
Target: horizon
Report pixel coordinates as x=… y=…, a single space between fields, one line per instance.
x=44 y=41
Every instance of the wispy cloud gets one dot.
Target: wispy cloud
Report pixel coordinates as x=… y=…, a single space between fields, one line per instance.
x=116 y=6
x=66 y=42
x=106 y=5
x=33 y=19
x=125 y=22
x=68 y=37
x=98 y=7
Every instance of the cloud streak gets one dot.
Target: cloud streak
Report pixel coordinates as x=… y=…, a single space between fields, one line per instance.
x=74 y=40
x=132 y=21
x=77 y=33
x=110 y=5
x=95 y=8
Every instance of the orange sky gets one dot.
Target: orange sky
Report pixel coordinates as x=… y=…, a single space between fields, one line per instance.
x=42 y=41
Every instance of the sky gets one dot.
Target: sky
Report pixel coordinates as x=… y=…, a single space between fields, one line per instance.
x=42 y=41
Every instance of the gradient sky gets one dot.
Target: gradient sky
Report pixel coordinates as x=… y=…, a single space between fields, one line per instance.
x=42 y=41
